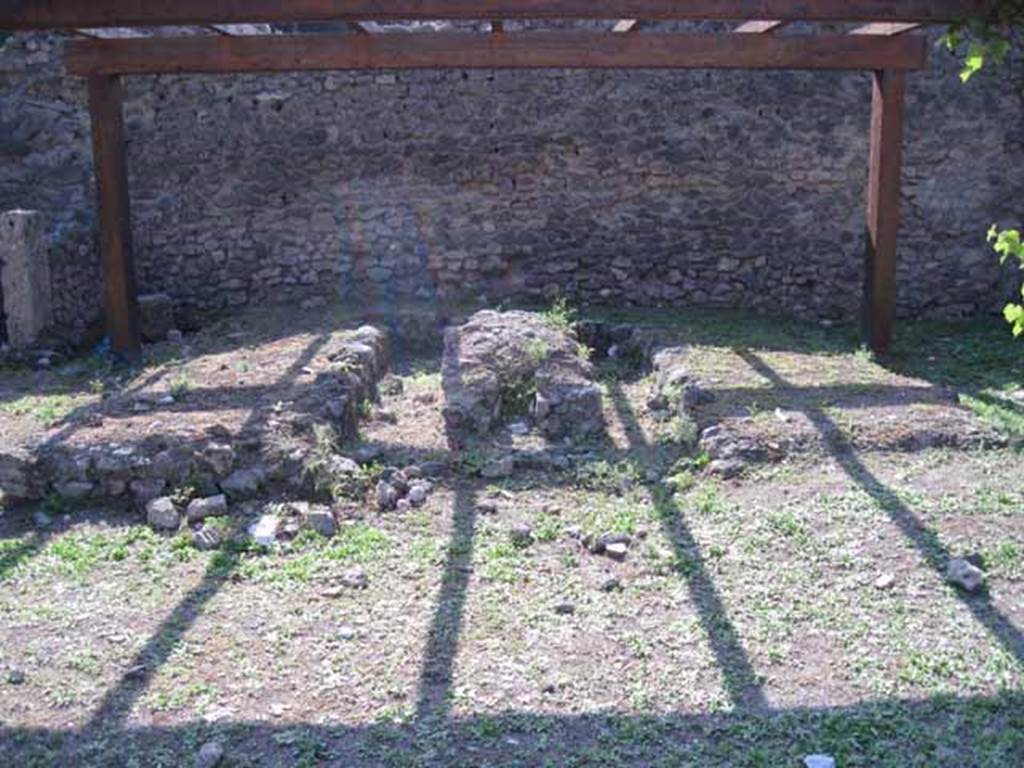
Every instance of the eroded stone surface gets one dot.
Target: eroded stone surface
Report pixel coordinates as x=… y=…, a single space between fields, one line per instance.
x=501 y=366
x=25 y=276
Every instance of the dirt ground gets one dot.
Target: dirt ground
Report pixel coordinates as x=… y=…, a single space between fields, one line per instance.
x=799 y=608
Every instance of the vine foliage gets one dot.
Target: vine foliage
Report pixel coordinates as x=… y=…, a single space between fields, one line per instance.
x=982 y=40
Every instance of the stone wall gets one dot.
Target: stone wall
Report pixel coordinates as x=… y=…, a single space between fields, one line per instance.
x=654 y=188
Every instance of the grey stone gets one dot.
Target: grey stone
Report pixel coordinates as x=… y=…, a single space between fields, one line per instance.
x=521 y=535
x=15 y=676
x=207 y=538
x=965 y=575
x=220 y=457
x=211 y=506
x=156 y=316
x=243 y=483
x=498 y=468
x=74 y=490
x=321 y=520
x=162 y=514
x=611 y=583
x=24 y=277
x=264 y=531
x=727 y=468
x=387 y=495
x=417 y=494
x=210 y=755
x=885 y=581
x=820 y=761
x=565 y=608
x=355 y=578
x=487 y=507
x=145 y=490
x=433 y=468
x=617 y=550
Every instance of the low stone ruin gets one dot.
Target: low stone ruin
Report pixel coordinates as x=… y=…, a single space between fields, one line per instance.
x=217 y=462
x=501 y=366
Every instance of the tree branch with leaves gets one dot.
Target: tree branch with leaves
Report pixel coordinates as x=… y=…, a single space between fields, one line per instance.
x=982 y=40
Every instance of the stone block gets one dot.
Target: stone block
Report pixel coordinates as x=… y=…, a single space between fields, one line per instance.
x=24 y=276
x=156 y=316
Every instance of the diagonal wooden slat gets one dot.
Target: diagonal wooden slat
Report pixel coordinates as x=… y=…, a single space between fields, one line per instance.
x=551 y=50
x=758 y=27
x=884 y=28
x=626 y=25
x=16 y=14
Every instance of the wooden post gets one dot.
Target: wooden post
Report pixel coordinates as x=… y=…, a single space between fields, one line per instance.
x=883 y=208
x=121 y=301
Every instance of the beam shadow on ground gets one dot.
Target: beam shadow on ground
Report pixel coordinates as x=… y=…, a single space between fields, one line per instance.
x=118 y=701
x=934 y=553
x=740 y=679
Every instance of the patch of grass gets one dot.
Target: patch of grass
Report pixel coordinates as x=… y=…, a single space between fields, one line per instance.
x=609 y=477
x=503 y=562
x=310 y=555
x=180 y=384
x=15 y=552
x=78 y=554
x=537 y=350
x=46 y=409
x=979 y=357
x=560 y=316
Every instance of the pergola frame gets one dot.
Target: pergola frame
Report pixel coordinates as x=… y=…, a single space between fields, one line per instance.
x=879 y=45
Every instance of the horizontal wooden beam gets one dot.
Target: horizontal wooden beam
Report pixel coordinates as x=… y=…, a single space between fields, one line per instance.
x=535 y=50
x=39 y=14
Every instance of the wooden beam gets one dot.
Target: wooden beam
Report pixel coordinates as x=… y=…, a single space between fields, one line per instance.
x=622 y=26
x=883 y=217
x=28 y=14
x=534 y=50
x=758 y=27
x=887 y=29
x=120 y=298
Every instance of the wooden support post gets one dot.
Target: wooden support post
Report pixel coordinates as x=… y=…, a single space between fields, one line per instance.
x=883 y=208
x=121 y=301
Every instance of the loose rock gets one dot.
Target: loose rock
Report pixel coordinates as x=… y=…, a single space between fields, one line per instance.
x=207 y=538
x=965 y=575
x=418 y=494
x=885 y=581
x=565 y=608
x=212 y=506
x=521 y=536
x=209 y=755
x=355 y=578
x=498 y=468
x=321 y=520
x=387 y=495
x=162 y=514
x=820 y=761
x=264 y=530
x=243 y=483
